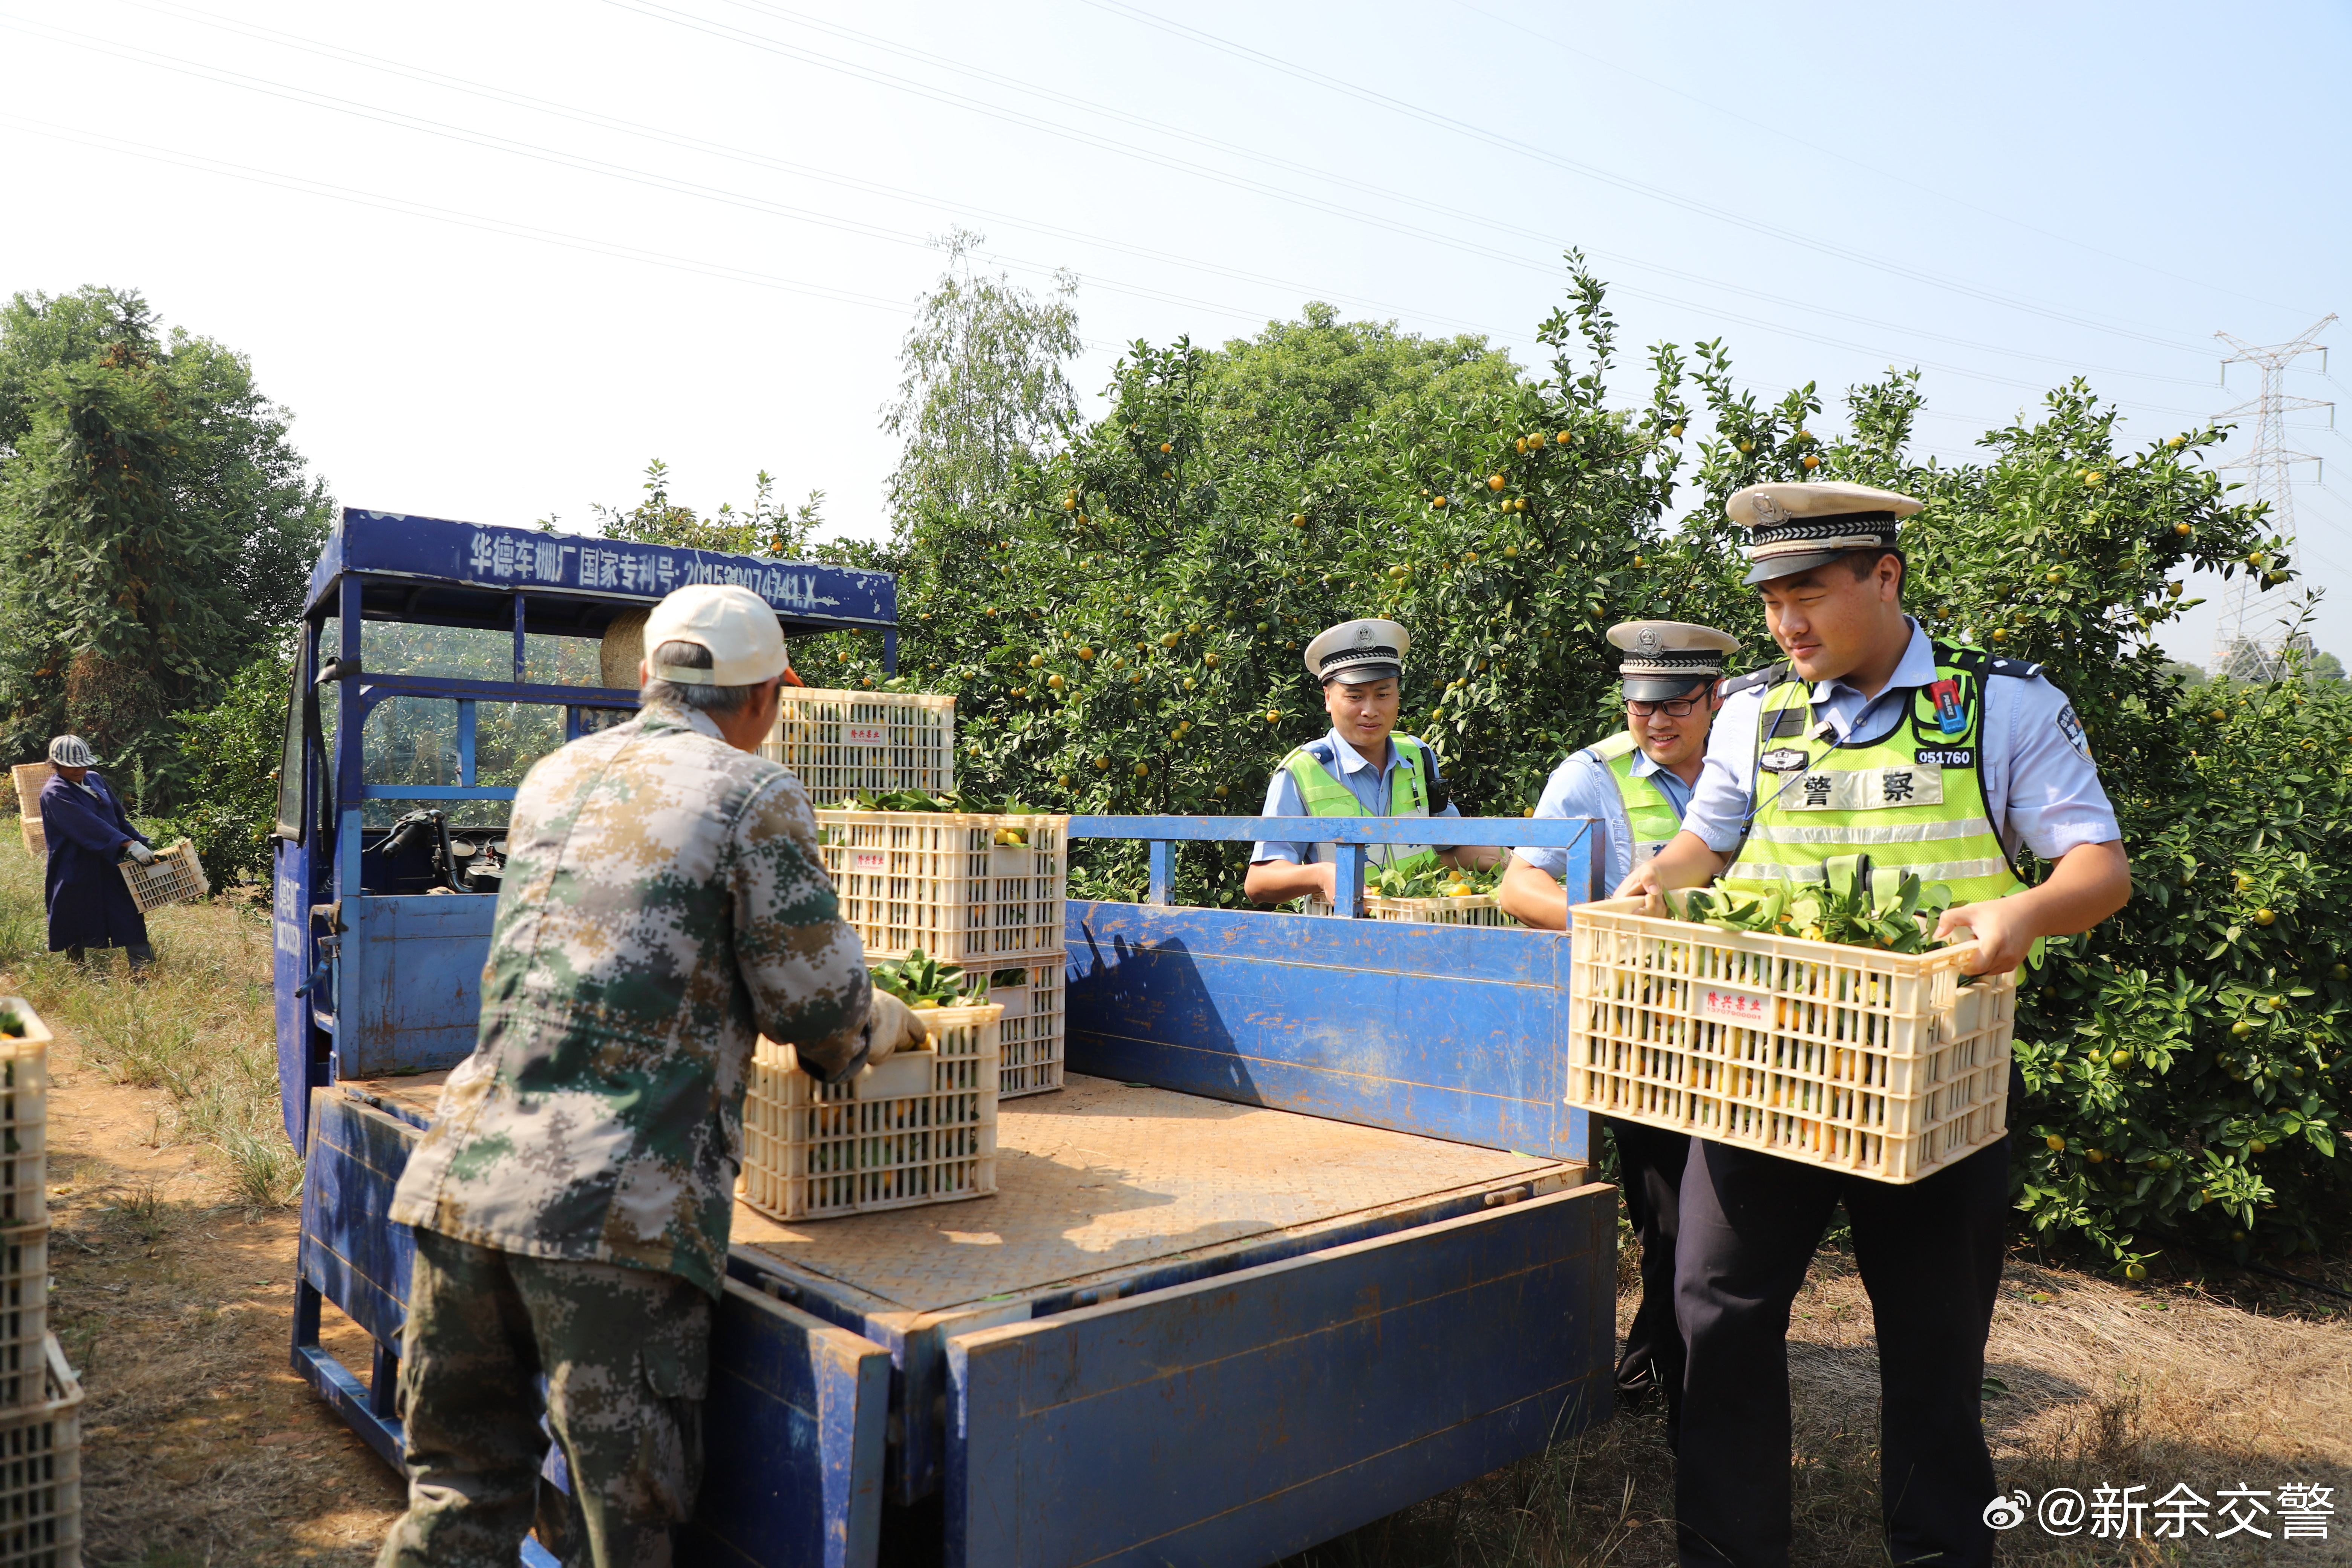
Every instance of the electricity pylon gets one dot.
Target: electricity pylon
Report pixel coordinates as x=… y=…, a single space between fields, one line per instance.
x=2250 y=638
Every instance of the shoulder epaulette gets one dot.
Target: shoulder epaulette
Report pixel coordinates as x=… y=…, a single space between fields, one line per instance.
x=1318 y=749
x=1770 y=675
x=1977 y=661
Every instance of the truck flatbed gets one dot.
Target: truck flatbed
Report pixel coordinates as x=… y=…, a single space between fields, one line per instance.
x=1104 y=1180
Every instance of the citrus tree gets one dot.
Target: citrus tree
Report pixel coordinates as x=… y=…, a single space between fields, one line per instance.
x=1125 y=629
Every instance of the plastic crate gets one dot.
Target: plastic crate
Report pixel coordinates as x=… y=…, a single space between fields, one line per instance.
x=175 y=878
x=30 y=777
x=940 y=881
x=919 y=1128
x=838 y=742
x=23 y=1318
x=1029 y=1035
x=40 y=1470
x=23 y=1120
x=1876 y=1064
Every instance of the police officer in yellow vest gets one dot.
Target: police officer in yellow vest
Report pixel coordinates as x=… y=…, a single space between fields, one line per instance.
x=1635 y=785
x=1362 y=768
x=1870 y=737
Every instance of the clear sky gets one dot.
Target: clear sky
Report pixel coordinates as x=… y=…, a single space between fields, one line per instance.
x=497 y=256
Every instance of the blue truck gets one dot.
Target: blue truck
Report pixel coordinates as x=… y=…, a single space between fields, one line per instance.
x=1309 y=1235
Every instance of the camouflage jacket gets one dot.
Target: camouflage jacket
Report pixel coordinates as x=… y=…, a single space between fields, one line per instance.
x=663 y=902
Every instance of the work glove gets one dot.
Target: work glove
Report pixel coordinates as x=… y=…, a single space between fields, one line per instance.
x=892 y=1026
x=140 y=853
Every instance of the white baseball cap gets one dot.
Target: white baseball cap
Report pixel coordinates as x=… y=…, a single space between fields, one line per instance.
x=746 y=643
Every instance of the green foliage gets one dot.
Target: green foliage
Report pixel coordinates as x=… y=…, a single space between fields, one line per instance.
x=2189 y=1053
x=763 y=528
x=229 y=755
x=1856 y=905
x=921 y=981
x=1124 y=624
x=159 y=525
x=983 y=390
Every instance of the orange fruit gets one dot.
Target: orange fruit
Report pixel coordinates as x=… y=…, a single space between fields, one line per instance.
x=1493 y=482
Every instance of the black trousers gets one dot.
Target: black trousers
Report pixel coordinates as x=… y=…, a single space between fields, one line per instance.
x=142 y=954
x=1930 y=1255
x=1650 y=1163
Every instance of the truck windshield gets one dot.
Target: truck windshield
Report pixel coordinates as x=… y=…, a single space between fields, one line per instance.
x=409 y=740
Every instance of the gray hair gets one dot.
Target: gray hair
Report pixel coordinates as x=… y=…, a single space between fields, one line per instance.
x=712 y=699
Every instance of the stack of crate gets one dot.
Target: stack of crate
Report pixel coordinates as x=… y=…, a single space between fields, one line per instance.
x=40 y=1399
x=952 y=888
x=974 y=888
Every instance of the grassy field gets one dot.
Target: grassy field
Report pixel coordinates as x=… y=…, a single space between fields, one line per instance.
x=198 y=1027
x=174 y=1291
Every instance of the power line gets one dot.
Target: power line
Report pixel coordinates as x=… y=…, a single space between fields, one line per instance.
x=1593 y=172
x=2269 y=473
x=1751 y=123
x=401 y=119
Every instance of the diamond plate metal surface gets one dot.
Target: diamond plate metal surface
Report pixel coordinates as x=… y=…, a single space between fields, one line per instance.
x=1104 y=1176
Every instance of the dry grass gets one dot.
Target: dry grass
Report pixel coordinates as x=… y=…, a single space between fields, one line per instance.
x=199 y=1026
x=2106 y=1385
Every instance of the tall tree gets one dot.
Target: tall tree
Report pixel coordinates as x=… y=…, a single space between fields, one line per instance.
x=160 y=524
x=984 y=389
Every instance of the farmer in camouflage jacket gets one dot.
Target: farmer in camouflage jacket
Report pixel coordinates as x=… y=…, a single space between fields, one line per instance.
x=664 y=903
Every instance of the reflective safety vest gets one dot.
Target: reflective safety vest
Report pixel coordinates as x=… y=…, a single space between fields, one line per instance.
x=1914 y=801
x=1310 y=768
x=1646 y=817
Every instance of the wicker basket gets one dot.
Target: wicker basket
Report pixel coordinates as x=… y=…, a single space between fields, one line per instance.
x=30 y=777
x=838 y=742
x=920 y=1128
x=1876 y=1064
x=175 y=878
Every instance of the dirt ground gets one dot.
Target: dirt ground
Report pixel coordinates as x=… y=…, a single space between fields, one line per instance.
x=201 y=1445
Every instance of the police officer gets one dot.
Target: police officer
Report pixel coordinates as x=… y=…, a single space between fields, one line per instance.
x=1636 y=784
x=88 y=836
x=1871 y=737
x=1362 y=768
x=663 y=902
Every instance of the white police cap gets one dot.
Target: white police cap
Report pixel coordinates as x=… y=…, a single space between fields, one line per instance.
x=1793 y=528
x=1666 y=658
x=1356 y=652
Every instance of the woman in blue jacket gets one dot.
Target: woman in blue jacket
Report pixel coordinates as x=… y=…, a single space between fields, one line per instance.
x=88 y=834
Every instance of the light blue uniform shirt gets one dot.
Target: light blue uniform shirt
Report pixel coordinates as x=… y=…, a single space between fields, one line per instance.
x=2041 y=786
x=1581 y=786
x=1371 y=788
